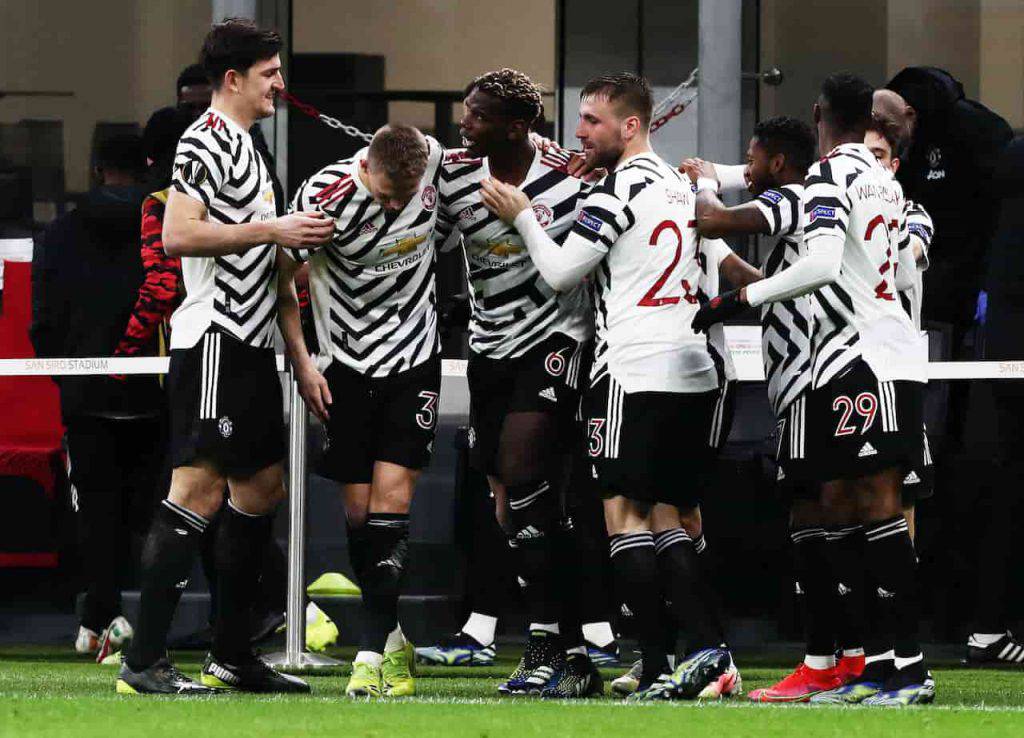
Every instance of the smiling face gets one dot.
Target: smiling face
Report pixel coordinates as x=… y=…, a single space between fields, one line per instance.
x=759 y=171
x=601 y=131
x=486 y=127
x=259 y=86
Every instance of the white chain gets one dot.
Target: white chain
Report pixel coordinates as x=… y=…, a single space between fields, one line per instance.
x=667 y=101
x=345 y=128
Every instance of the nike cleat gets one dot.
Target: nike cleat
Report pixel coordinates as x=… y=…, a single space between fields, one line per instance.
x=800 y=686
x=160 y=678
x=249 y=674
x=457 y=650
x=321 y=631
x=849 y=668
x=579 y=678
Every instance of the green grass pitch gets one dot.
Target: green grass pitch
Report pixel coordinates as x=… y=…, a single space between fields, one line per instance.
x=49 y=692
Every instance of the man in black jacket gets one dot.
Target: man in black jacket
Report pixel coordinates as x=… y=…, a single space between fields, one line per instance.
x=955 y=144
x=86 y=274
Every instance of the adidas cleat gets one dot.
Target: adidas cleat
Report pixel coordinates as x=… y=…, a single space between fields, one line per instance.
x=457 y=650
x=849 y=694
x=160 y=678
x=541 y=662
x=1006 y=652
x=800 y=686
x=249 y=674
x=629 y=682
x=114 y=637
x=658 y=690
x=706 y=674
x=396 y=674
x=364 y=682
x=579 y=678
x=901 y=696
x=603 y=656
x=321 y=631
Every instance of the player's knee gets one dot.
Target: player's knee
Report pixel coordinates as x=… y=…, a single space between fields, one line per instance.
x=533 y=510
x=201 y=496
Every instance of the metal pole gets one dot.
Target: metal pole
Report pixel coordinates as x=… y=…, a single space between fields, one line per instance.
x=295 y=657
x=718 y=108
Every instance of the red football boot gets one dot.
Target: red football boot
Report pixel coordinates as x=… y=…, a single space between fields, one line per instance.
x=849 y=668
x=799 y=686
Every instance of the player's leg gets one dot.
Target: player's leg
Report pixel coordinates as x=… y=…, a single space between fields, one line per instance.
x=527 y=471
x=845 y=556
x=168 y=553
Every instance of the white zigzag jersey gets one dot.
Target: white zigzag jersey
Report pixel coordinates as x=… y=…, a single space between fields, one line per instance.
x=514 y=309
x=642 y=217
x=713 y=251
x=373 y=287
x=919 y=225
x=785 y=325
x=217 y=164
x=850 y=195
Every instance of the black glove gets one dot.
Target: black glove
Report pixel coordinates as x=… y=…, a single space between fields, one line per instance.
x=718 y=309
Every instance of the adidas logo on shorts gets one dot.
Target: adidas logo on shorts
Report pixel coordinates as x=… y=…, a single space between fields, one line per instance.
x=548 y=394
x=867 y=450
x=912 y=478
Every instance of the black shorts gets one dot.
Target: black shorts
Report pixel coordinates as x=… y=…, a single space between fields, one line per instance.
x=544 y=379
x=793 y=473
x=380 y=419
x=650 y=446
x=919 y=484
x=725 y=410
x=226 y=406
x=857 y=425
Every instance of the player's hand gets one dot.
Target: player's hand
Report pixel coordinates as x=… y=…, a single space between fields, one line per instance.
x=695 y=168
x=579 y=168
x=304 y=230
x=718 y=309
x=314 y=390
x=544 y=144
x=504 y=200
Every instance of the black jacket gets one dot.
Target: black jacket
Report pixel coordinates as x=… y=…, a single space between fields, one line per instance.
x=948 y=170
x=1004 y=326
x=86 y=275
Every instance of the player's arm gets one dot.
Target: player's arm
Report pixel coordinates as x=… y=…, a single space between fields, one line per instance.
x=714 y=218
x=730 y=177
x=312 y=385
x=827 y=212
x=730 y=265
x=562 y=266
x=189 y=232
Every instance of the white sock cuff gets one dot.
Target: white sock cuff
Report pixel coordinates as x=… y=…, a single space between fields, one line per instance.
x=820 y=662
x=368 y=657
x=481 y=628
x=546 y=627
x=600 y=634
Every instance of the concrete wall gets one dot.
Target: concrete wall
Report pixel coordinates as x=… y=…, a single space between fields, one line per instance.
x=981 y=42
x=120 y=58
x=433 y=44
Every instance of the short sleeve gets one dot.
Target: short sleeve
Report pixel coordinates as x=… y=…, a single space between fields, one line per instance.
x=201 y=165
x=826 y=203
x=781 y=209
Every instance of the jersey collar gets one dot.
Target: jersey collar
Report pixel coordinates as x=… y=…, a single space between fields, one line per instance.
x=228 y=121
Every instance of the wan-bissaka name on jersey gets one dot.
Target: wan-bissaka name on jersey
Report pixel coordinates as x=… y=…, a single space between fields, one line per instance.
x=372 y=287
x=514 y=309
x=217 y=164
